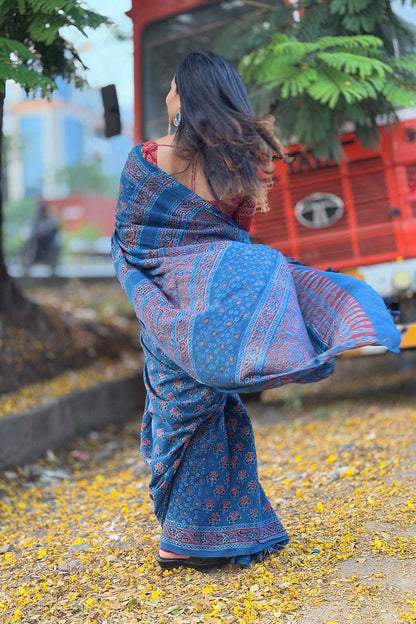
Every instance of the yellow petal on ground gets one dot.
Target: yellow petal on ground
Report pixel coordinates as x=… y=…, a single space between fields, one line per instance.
x=331 y=459
x=328 y=547
x=208 y=589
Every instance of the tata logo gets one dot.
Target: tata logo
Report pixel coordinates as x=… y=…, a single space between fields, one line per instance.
x=319 y=210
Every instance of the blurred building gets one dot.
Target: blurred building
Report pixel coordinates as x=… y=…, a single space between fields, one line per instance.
x=44 y=137
x=83 y=209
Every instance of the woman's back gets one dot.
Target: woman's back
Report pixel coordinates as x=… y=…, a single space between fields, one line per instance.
x=165 y=155
x=189 y=173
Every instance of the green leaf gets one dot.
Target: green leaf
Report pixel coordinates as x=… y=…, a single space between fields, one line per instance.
x=52 y=6
x=408 y=63
x=276 y=70
x=325 y=91
x=282 y=45
x=298 y=84
x=333 y=84
x=46 y=30
x=314 y=121
x=354 y=63
x=338 y=6
x=363 y=41
x=399 y=95
x=367 y=134
x=11 y=46
x=30 y=80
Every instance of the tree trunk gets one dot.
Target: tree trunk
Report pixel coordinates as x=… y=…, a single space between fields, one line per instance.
x=11 y=299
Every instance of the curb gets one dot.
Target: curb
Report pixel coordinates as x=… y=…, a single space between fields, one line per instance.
x=25 y=437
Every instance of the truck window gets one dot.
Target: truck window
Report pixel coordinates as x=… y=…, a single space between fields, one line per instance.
x=167 y=41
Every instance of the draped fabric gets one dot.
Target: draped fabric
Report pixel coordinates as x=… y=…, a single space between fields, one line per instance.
x=220 y=316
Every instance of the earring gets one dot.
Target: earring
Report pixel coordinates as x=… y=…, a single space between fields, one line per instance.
x=177 y=119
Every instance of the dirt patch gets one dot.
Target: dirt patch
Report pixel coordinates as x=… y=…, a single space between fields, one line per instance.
x=368 y=590
x=77 y=325
x=383 y=571
x=387 y=529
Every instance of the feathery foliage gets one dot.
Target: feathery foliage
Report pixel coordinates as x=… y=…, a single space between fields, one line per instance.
x=336 y=61
x=32 y=51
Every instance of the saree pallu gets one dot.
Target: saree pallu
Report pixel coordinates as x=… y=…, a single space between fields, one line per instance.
x=221 y=316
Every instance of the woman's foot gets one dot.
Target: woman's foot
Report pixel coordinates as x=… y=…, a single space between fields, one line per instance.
x=167 y=554
x=170 y=560
x=198 y=563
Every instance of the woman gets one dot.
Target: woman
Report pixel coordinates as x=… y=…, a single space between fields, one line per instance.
x=220 y=316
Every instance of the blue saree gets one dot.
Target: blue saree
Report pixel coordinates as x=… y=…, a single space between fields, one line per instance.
x=220 y=316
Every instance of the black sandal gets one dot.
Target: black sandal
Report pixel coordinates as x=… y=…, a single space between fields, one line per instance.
x=198 y=563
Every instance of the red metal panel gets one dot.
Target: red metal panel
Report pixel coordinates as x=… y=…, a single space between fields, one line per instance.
x=371 y=230
x=410 y=172
x=348 y=197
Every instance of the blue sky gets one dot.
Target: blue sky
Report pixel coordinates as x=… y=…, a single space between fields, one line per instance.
x=407 y=12
x=111 y=61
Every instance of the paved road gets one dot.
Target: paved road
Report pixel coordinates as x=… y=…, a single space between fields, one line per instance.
x=87 y=269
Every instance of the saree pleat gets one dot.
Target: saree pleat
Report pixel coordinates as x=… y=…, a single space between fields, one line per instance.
x=220 y=316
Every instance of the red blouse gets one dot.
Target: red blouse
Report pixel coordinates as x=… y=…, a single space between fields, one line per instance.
x=244 y=211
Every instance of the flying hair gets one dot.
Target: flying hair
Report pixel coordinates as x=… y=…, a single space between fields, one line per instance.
x=219 y=128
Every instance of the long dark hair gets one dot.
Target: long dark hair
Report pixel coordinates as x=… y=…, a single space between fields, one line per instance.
x=219 y=128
